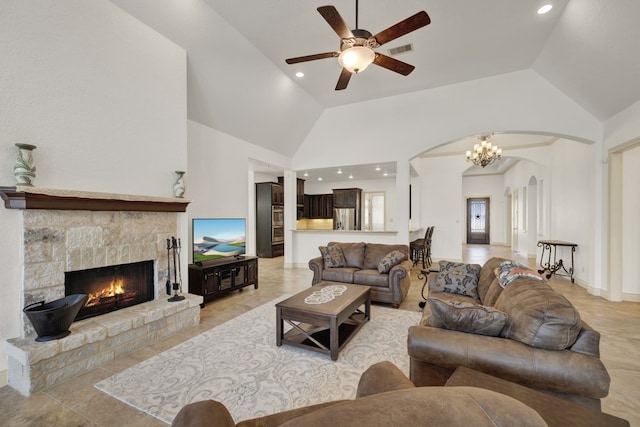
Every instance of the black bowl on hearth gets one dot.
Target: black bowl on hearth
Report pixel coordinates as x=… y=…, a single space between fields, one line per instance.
x=52 y=320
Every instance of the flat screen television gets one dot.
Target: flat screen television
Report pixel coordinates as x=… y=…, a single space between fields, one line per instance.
x=215 y=238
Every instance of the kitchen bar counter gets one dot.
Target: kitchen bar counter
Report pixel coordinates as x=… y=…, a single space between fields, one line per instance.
x=360 y=232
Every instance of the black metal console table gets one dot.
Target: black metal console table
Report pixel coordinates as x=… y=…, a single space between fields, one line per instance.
x=424 y=275
x=547 y=267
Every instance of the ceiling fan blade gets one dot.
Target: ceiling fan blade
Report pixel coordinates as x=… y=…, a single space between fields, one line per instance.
x=343 y=80
x=410 y=24
x=333 y=18
x=393 y=64
x=312 y=57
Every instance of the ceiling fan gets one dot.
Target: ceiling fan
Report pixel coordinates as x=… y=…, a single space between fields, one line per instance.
x=356 y=46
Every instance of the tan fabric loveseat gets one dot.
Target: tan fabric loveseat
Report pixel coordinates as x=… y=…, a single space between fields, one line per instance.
x=361 y=267
x=542 y=342
x=385 y=397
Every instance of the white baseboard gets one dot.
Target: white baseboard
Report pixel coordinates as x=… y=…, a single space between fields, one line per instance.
x=630 y=297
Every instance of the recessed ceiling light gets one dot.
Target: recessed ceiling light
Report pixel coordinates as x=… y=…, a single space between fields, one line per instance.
x=299 y=74
x=306 y=173
x=378 y=167
x=350 y=176
x=319 y=178
x=339 y=171
x=385 y=174
x=544 y=9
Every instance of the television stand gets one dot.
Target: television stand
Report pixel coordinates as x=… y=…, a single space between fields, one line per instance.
x=215 y=278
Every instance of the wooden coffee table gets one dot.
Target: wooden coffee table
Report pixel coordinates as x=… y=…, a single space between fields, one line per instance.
x=324 y=317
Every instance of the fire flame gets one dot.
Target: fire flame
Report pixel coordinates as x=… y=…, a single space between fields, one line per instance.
x=116 y=287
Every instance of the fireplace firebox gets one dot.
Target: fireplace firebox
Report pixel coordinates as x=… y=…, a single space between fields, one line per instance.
x=111 y=288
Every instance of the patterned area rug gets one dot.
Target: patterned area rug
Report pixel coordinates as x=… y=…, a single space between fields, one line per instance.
x=239 y=364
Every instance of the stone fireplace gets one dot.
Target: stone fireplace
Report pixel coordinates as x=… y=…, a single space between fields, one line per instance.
x=74 y=234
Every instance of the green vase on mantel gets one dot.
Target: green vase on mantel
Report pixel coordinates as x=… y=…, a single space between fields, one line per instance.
x=24 y=169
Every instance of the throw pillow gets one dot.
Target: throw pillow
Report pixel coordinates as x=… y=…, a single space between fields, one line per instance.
x=389 y=260
x=466 y=317
x=508 y=271
x=332 y=256
x=458 y=278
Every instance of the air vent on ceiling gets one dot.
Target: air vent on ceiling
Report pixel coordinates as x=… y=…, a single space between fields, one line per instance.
x=400 y=49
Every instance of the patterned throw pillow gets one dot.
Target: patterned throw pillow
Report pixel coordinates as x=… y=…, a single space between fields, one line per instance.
x=389 y=260
x=458 y=278
x=332 y=256
x=466 y=317
x=508 y=271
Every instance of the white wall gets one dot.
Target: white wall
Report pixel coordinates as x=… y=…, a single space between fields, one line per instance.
x=442 y=207
x=630 y=209
x=401 y=127
x=571 y=200
x=491 y=186
x=620 y=132
x=219 y=182
x=102 y=96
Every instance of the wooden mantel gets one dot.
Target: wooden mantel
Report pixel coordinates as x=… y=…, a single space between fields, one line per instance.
x=54 y=199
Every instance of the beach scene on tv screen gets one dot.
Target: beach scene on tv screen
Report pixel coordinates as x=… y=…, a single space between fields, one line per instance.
x=218 y=238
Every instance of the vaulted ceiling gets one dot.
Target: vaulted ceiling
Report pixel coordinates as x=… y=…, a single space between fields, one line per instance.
x=239 y=83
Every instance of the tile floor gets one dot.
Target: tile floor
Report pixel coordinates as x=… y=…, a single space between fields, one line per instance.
x=77 y=403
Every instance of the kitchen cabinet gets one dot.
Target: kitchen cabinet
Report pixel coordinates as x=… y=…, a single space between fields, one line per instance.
x=299 y=196
x=318 y=206
x=277 y=194
x=347 y=198
x=269 y=219
x=299 y=192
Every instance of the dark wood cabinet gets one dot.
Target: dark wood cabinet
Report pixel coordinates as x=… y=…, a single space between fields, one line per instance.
x=347 y=198
x=299 y=191
x=318 y=206
x=269 y=219
x=277 y=194
x=217 y=277
x=300 y=213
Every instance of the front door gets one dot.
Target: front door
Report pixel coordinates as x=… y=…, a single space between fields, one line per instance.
x=478 y=221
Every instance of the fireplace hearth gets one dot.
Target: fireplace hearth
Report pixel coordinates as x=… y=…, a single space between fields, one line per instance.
x=111 y=288
x=70 y=231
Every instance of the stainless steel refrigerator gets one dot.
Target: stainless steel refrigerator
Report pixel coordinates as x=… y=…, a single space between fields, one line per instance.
x=344 y=219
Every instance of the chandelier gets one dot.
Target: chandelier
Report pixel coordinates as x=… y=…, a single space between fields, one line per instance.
x=485 y=153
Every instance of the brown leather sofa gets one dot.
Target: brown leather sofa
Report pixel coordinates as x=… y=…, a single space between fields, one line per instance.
x=362 y=260
x=544 y=344
x=385 y=397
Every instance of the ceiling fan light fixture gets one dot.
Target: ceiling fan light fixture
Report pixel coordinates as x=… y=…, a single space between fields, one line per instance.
x=357 y=58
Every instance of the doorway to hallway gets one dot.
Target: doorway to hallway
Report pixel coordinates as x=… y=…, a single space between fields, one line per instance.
x=478 y=221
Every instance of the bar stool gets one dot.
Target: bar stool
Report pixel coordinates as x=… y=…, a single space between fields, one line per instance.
x=427 y=245
x=419 y=250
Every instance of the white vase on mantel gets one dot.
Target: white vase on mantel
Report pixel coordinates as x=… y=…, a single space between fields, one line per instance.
x=178 y=185
x=25 y=170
